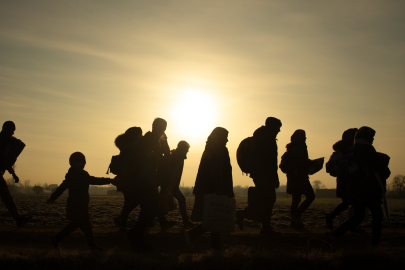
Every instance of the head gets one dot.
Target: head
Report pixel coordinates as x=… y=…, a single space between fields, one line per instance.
x=182 y=148
x=218 y=136
x=134 y=133
x=159 y=127
x=8 y=128
x=77 y=160
x=299 y=136
x=365 y=133
x=349 y=135
x=273 y=125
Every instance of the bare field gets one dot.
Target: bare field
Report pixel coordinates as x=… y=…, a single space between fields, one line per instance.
x=29 y=247
x=103 y=208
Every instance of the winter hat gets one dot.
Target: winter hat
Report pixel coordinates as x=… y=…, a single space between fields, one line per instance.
x=9 y=125
x=76 y=157
x=365 y=133
x=298 y=135
x=349 y=134
x=273 y=122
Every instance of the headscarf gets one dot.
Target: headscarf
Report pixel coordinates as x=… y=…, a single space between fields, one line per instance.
x=219 y=134
x=76 y=157
x=298 y=135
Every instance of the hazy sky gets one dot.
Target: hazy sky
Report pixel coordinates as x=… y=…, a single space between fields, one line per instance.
x=75 y=74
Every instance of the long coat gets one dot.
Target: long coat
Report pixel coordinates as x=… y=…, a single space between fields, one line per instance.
x=298 y=179
x=77 y=181
x=214 y=176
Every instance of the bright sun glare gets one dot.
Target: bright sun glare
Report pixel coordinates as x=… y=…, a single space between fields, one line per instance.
x=194 y=114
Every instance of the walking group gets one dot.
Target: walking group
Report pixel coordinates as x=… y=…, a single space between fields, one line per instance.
x=146 y=163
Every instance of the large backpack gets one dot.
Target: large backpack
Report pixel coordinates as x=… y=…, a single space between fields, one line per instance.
x=245 y=155
x=114 y=165
x=285 y=163
x=348 y=168
x=333 y=163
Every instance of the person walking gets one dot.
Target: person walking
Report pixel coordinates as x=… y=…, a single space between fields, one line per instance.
x=172 y=180
x=297 y=177
x=144 y=160
x=214 y=176
x=366 y=186
x=10 y=149
x=125 y=142
x=341 y=148
x=77 y=181
x=265 y=177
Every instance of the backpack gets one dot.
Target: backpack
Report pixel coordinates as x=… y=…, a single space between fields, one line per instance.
x=114 y=165
x=245 y=154
x=348 y=168
x=285 y=163
x=333 y=163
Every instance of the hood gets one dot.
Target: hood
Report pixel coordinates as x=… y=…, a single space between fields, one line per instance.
x=342 y=146
x=261 y=132
x=293 y=145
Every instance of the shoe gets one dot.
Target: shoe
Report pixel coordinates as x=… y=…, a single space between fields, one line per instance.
x=331 y=239
x=297 y=221
x=187 y=240
x=118 y=222
x=269 y=232
x=188 y=225
x=329 y=221
x=55 y=243
x=295 y=226
x=23 y=220
x=239 y=219
x=96 y=248
x=357 y=230
x=167 y=225
x=141 y=247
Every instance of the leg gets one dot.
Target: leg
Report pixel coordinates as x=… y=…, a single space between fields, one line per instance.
x=70 y=228
x=296 y=199
x=182 y=204
x=343 y=206
x=309 y=198
x=130 y=203
x=197 y=231
x=358 y=216
x=269 y=199
x=376 y=225
x=7 y=199
x=86 y=228
x=216 y=240
x=149 y=202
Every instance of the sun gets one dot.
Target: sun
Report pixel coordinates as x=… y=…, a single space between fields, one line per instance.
x=194 y=114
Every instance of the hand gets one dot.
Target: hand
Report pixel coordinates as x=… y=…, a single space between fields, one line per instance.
x=50 y=201
x=115 y=181
x=16 y=178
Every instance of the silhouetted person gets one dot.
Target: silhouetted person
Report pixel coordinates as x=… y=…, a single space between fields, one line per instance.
x=341 y=148
x=214 y=176
x=77 y=181
x=366 y=190
x=145 y=158
x=125 y=143
x=298 y=179
x=171 y=182
x=264 y=174
x=10 y=149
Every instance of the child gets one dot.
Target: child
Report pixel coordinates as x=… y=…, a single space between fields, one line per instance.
x=77 y=180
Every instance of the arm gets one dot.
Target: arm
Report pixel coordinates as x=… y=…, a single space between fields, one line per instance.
x=99 y=180
x=59 y=191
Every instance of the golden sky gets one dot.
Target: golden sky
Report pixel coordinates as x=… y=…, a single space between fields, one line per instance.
x=75 y=74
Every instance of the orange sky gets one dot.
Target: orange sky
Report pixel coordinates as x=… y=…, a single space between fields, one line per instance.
x=74 y=75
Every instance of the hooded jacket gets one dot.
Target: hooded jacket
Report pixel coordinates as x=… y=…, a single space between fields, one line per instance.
x=298 y=179
x=77 y=181
x=265 y=165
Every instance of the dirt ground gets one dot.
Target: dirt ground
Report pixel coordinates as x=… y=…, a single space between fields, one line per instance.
x=304 y=249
